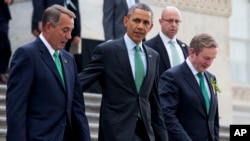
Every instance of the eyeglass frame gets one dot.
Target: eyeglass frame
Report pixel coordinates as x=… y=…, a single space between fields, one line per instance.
x=171 y=21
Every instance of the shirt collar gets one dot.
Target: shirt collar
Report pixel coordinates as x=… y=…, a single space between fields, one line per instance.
x=130 y=44
x=165 y=38
x=48 y=46
x=190 y=65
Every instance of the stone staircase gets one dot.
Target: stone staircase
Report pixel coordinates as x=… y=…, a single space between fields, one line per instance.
x=92 y=103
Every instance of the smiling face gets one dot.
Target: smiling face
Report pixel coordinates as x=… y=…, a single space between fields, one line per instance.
x=58 y=35
x=138 y=24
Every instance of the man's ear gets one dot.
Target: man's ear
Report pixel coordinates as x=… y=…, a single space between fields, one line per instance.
x=125 y=21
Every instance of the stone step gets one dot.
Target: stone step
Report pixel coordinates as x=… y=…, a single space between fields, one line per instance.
x=2 y=99
x=2 y=111
x=92 y=98
x=92 y=117
x=3 y=89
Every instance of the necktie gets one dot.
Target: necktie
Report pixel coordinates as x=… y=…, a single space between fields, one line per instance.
x=58 y=65
x=139 y=69
x=175 y=55
x=204 y=91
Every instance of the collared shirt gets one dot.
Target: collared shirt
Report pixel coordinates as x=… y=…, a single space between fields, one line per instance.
x=48 y=46
x=130 y=45
x=165 y=40
x=195 y=72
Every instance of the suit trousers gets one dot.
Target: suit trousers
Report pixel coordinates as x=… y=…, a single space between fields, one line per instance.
x=140 y=132
x=5 y=49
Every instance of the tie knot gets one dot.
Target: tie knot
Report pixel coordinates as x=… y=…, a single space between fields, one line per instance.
x=171 y=42
x=56 y=54
x=200 y=75
x=137 y=48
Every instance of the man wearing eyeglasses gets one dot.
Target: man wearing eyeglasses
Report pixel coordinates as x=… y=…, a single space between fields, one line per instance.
x=172 y=51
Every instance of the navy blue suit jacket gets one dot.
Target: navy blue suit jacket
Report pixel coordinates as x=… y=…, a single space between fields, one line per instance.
x=184 y=107
x=39 y=106
x=157 y=44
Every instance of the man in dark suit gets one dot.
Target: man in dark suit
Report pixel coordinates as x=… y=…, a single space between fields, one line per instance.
x=188 y=94
x=169 y=21
x=130 y=109
x=44 y=98
x=5 y=48
x=40 y=5
x=113 y=14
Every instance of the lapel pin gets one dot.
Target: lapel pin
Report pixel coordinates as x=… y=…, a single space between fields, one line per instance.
x=149 y=56
x=65 y=61
x=183 y=45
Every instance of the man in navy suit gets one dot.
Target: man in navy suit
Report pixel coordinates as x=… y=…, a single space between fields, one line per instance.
x=45 y=102
x=191 y=113
x=169 y=21
x=5 y=48
x=113 y=14
x=130 y=109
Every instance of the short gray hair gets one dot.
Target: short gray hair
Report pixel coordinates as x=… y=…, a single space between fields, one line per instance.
x=52 y=14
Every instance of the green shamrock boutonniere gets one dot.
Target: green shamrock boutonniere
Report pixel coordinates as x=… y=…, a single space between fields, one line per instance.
x=216 y=88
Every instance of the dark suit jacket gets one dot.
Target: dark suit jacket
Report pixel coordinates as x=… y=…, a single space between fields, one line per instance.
x=39 y=7
x=120 y=99
x=39 y=106
x=157 y=44
x=113 y=14
x=184 y=106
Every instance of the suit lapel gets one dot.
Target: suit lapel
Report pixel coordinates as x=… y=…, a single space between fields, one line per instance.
x=123 y=59
x=46 y=57
x=163 y=51
x=150 y=68
x=192 y=82
x=184 y=48
x=66 y=72
x=212 y=100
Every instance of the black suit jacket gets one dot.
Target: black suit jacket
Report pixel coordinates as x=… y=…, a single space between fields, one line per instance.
x=157 y=44
x=39 y=7
x=113 y=14
x=120 y=100
x=184 y=107
x=39 y=106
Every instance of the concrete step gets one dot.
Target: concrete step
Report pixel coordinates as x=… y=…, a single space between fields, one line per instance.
x=3 y=89
x=92 y=98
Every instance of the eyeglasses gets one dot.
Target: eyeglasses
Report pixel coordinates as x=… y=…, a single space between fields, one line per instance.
x=171 y=21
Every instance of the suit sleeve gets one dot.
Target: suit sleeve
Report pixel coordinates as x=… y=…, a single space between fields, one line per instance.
x=158 y=125
x=38 y=9
x=93 y=70
x=19 y=86
x=169 y=98
x=108 y=19
x=79 y=119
